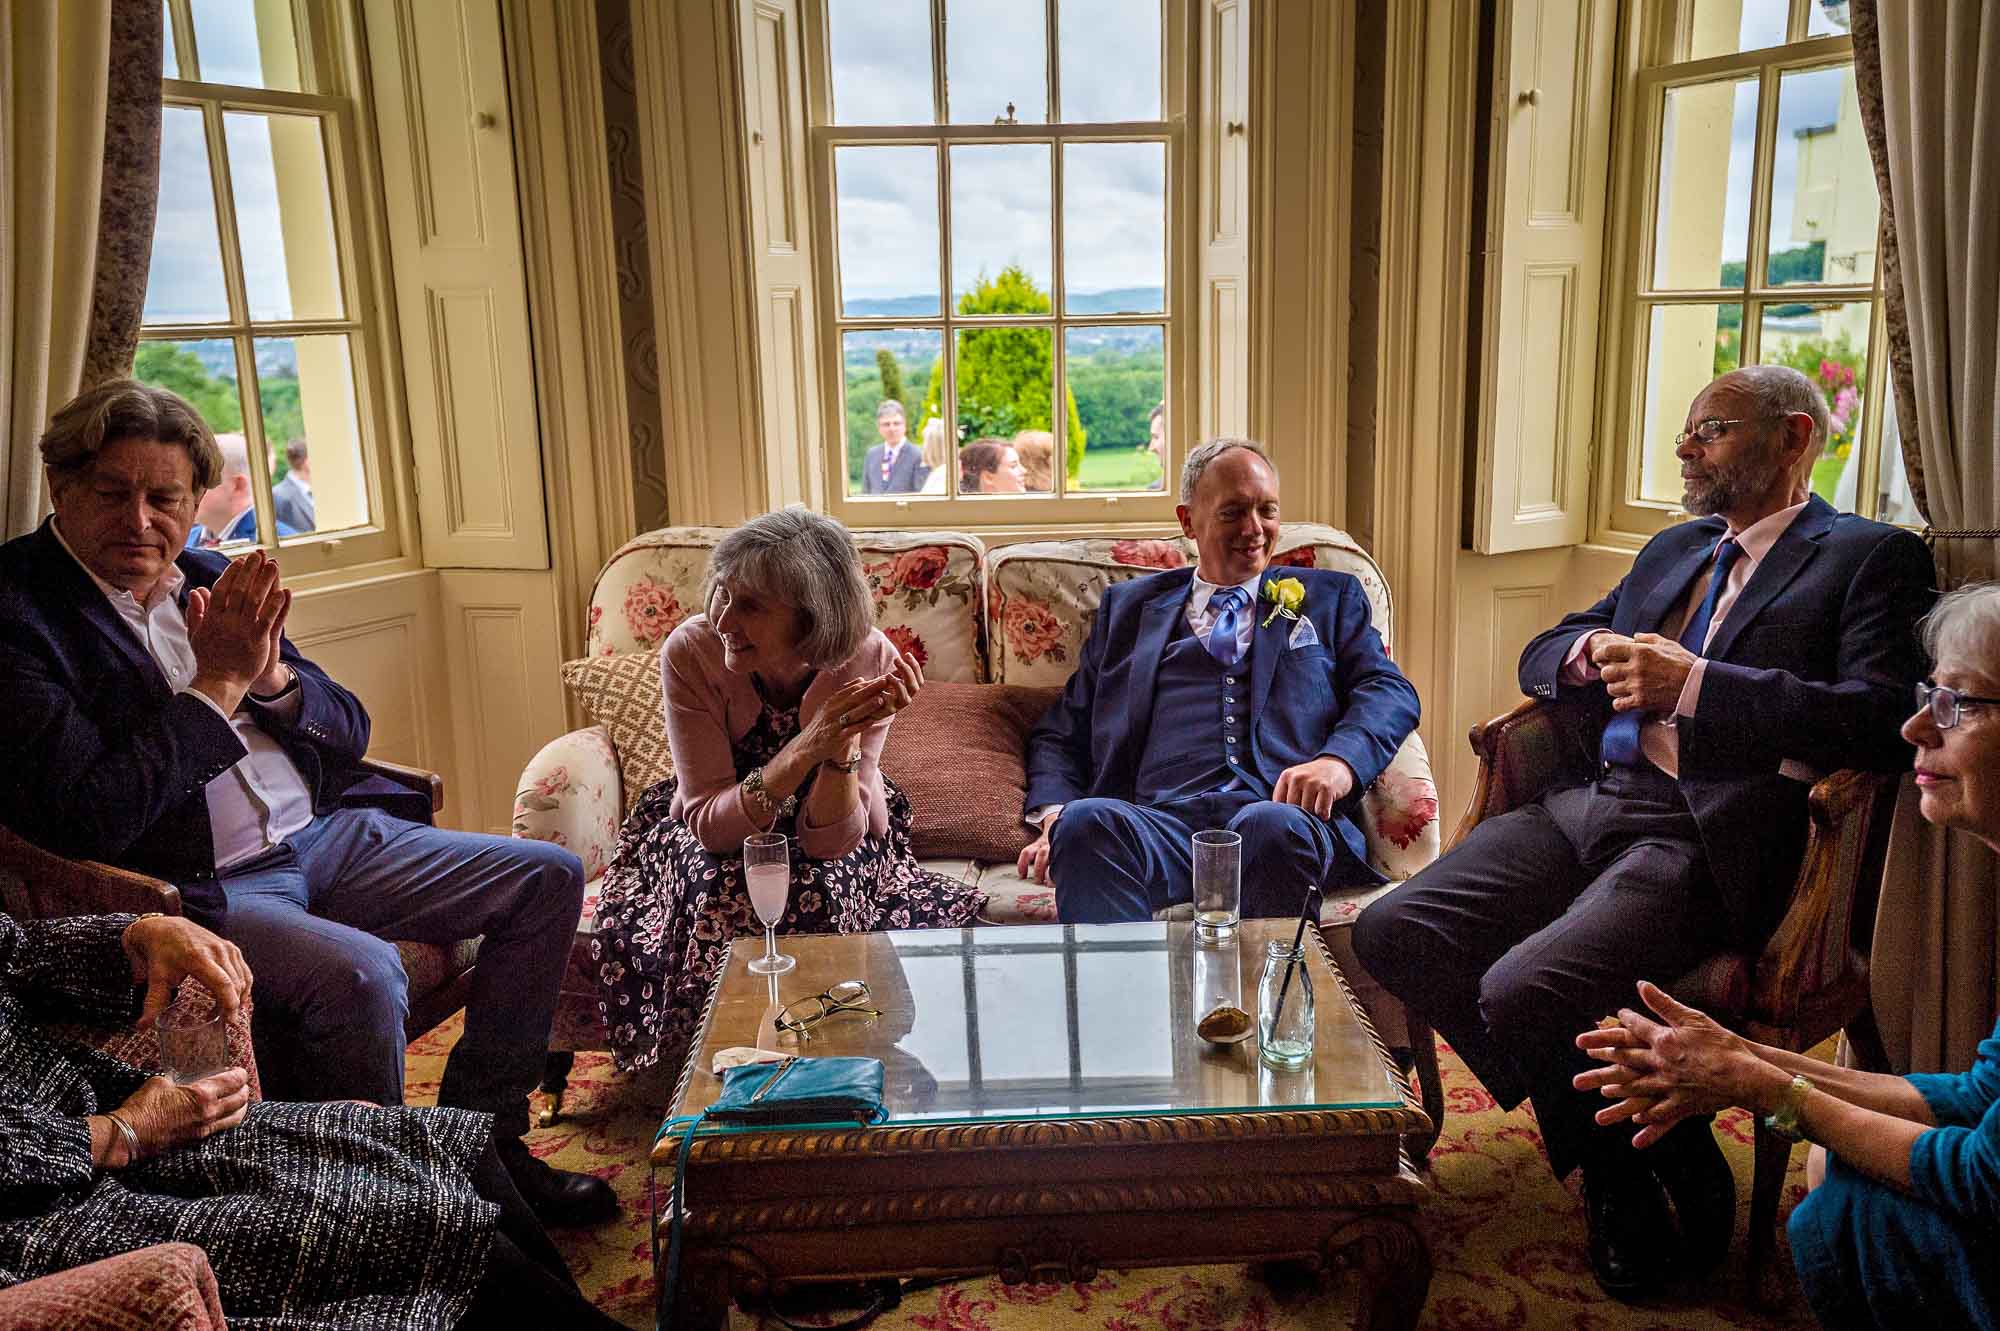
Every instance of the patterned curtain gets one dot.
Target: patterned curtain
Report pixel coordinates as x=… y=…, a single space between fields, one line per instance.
x=1928 y=77
x=79 y=174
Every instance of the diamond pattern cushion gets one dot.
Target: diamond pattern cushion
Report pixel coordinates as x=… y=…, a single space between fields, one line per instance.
x=622 y=693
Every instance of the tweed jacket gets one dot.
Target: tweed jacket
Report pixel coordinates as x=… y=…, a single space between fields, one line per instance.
x=312 y=1216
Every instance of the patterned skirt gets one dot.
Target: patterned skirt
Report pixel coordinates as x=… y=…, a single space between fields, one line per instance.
x=670 y=907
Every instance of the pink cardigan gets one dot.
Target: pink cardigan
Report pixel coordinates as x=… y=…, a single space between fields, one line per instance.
x=709 y=708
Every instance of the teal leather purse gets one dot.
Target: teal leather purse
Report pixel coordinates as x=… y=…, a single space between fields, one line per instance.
x=792 y=1091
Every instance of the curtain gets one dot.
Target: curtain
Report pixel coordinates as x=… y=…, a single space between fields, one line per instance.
x=1927 y=76
x=79 y=175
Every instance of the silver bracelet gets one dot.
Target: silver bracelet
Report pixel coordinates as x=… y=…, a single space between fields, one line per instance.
x=130 y=1137
x=755 y=791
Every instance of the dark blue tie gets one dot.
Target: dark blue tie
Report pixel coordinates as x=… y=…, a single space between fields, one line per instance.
x=1226 y=606
x=1621 y=735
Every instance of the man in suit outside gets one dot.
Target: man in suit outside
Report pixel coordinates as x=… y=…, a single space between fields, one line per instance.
x=1744 y=655
x=292 y=498
x=1197 y=704
x=894 y=466
x=227 y=510
x=158 y=719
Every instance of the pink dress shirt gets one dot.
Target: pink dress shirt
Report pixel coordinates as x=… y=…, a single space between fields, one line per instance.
x=708 y=708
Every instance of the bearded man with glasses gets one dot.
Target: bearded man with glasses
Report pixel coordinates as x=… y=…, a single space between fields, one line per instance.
x=1745 y=655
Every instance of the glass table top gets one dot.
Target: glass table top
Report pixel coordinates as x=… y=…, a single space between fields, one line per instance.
x=1048 y=1021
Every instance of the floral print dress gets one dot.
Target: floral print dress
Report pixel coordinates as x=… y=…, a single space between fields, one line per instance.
x=670 y=906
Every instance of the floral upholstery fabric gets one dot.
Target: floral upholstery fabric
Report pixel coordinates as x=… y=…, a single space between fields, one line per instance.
x=571 y=793
x=927 y=588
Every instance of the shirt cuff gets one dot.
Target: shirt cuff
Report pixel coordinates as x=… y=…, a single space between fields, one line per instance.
x=284 y=705
x=1036 y=817
x=1691 y=689
x=213 y=705
x=1577 y=667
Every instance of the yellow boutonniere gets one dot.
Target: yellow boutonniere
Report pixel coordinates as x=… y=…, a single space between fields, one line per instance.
x=1286 y=595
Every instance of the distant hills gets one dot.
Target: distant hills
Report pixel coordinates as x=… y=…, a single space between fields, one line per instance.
x=276 y=357
x=1117 y=300
x=914 y=346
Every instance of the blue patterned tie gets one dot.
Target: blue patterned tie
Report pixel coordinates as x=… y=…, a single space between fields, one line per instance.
x=1226 y=605
x=1621 y=735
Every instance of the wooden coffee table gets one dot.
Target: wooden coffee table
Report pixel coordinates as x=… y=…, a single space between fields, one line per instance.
x=1052 y=1112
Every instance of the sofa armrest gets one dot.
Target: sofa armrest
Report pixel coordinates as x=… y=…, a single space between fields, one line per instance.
x=1535 y=746
x=571 y=793
x=1399 y=814
x=167 y=1287
x=38 y=885
x=414 y=779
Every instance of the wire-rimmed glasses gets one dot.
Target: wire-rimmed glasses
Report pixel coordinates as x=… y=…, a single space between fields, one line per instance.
x=1945 y=705
x=801 y=1015
x=1712 y=429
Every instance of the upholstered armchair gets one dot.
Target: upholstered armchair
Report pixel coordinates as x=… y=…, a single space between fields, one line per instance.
x=37 y=885
x=1808 y=983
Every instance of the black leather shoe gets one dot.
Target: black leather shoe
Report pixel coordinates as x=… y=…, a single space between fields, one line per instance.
x=1631 y=1234
x=1698 y=1179
x=558 y=1197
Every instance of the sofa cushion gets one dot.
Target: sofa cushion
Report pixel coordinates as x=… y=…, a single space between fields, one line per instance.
x=622 y=693
x=928 y=589
x=957 y=753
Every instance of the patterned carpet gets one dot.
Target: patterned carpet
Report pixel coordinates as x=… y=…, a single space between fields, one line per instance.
x=1506 y=1239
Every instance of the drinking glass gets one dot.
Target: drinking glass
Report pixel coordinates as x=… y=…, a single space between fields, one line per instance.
x=193 y=1044
x=1218 y=883
x=767 y=873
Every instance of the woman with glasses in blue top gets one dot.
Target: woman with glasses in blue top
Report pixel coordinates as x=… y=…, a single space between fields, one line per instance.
x=1902 y=1226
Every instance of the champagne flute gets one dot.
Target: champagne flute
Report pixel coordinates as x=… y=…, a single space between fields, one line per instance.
x=767 y=873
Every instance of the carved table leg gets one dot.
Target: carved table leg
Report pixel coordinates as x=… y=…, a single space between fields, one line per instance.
x=1392 y=1265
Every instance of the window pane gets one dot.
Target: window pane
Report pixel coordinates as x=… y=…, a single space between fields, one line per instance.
x=1110 y=53
x=1827 y=18
x=1708 y=141
x=305 y=386
x=185 y=283
x=1829 y=343
x=1118 y=379
x=1114 y=228
x=886 y=203
x=1824 y=209
x=904 y=366
x=284 y=216
x=1722 y=27
x=880 y=51
x=1000 y=218
x=247 y=42
x=170 y=59
x=995 y=57
x=1686 y=347
x=1006 y=382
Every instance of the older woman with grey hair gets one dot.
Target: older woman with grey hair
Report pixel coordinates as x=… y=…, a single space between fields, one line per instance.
x=777 y=701
x=1902 y=1225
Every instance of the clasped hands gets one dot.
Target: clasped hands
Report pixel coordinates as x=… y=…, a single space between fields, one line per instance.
x=1668 y=1066
x=1645 y=672
x=833 y=732
x=236 y=629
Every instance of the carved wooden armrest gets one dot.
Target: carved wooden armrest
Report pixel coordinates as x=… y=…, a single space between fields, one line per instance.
x=1526 y=751
x=1818 y=952
x=416 y=779
x=38 y=885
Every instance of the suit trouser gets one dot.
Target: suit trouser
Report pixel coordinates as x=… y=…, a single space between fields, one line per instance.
x=1113 y=861
x=312 y=916
x=1538 y=924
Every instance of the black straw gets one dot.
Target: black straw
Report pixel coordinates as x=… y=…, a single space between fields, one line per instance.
x=1312 y=894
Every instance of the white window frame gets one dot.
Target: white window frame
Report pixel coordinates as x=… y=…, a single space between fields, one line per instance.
x=1178 y=319
x=1653 y=67
x=327 y=35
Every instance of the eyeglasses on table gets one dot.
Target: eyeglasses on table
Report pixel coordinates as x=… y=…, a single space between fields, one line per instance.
x=801 y=1015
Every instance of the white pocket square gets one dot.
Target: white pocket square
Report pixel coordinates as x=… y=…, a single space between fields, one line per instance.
x=1303 y=635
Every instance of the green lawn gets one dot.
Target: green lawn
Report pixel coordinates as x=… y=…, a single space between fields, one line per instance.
x=1825 y=476
x=1118 y=469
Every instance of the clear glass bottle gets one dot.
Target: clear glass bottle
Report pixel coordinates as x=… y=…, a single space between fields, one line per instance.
x=1285 y=1038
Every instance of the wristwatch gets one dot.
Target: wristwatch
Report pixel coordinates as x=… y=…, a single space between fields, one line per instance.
x=1784 y=1120
x=852 y=764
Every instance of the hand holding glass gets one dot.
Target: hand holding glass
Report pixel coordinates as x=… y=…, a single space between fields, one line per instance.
x=767 y=873
x=193 y=1042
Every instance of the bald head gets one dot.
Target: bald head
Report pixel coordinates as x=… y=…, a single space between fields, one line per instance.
x=222 y=505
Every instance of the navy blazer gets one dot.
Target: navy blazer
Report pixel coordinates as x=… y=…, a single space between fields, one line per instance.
x=1341 y=696
x=907 y=476
x=1816 y=662
x=105 y=761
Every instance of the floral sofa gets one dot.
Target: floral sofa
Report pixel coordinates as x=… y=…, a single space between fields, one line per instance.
x=1013 y=615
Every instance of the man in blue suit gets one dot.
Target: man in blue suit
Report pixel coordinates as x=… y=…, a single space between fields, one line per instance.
x=1745 y=654
x=894 y=466
x=157 y=718
x=1199 y=703
x=227 y=510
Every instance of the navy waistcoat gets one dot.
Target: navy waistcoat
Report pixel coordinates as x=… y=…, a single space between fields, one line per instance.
x=1200 y=724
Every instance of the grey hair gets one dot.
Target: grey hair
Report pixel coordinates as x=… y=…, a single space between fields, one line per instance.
x=1780 y=390
x=808 y=561
x=1208 y=451
x=887 y=405
x=1966 y=622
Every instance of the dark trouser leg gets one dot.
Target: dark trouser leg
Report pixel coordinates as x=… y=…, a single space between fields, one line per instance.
x=1285 y=851
x=1431 y=941
x=1114 y=862
x=518 y=1291
x=517 y=1222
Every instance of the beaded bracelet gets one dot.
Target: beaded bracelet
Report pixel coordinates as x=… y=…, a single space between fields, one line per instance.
x=754 y=791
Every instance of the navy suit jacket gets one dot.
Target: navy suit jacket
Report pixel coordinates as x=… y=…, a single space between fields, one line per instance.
x=105 y=761
x=1815 y=662
x=906 y=476
x=1341 y=696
